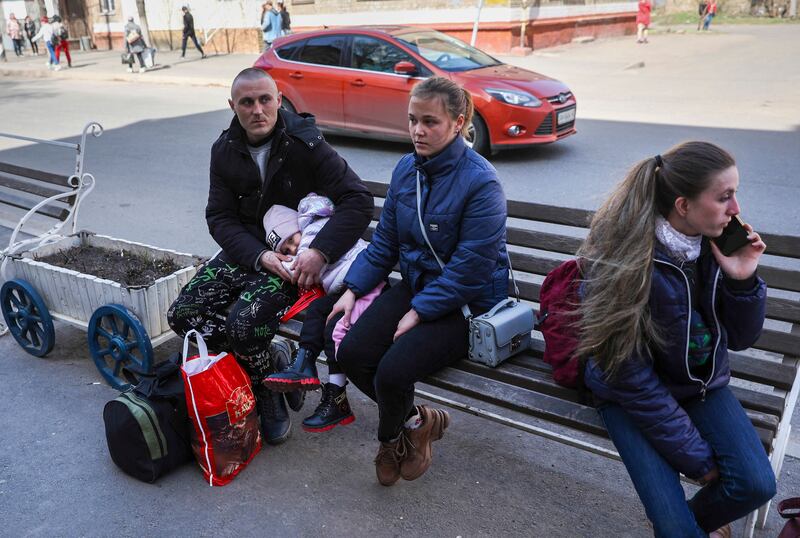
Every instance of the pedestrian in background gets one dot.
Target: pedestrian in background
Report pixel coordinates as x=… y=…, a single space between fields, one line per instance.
x=30 y=31
x=62 y=41
x=47 y=35
x=188 y=32
x=643 y=20
x=286 y=20
x=135 y=45
x=15 y=33
x=711 y=12
x=270 y=24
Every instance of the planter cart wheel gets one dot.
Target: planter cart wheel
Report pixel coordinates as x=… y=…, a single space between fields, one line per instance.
x=119 y=345
x=27 y=318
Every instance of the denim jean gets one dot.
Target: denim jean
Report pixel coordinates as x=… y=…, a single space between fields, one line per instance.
x=746 y=478
x=52 y=51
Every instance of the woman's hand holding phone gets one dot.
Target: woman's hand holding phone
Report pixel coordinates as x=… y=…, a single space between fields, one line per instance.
x=742 y=263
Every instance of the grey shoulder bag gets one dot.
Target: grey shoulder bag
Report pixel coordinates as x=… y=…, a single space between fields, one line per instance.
x=500 y=333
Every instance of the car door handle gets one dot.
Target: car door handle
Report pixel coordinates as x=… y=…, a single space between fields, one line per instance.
x=296 y=74
x=358 y=82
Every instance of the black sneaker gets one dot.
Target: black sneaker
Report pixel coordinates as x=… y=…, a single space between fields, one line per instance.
x=333 y=410
x=276 y=424
x=280 y=352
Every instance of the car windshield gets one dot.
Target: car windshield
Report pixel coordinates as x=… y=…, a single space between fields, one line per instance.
x=446 y=52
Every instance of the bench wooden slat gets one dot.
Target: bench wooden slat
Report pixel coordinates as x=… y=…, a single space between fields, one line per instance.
x=22 y=171
x=31 y=188
x=759 y=401
x=525 y=401
x=774 y=374
x=530 y=263
x=783 y=309
x=782 y=245
x=21 y=203
x=567 y=216
x=765 y=372
x=563 y=244
x=779 y=342
x=782 y=279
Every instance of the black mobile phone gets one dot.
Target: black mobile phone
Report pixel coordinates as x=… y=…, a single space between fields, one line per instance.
x=734 y=237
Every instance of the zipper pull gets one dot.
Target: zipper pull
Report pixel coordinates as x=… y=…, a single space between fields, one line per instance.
x=703 y=393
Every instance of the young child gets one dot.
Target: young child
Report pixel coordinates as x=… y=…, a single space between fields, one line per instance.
x=290 y=232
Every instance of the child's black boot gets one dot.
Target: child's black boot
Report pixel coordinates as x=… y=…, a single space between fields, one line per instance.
x=333 y=410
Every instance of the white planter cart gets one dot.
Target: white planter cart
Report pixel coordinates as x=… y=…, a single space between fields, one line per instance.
x=123 y=323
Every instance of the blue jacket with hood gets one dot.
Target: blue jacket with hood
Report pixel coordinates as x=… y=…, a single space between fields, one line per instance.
x=651 y=388
x=464 y=211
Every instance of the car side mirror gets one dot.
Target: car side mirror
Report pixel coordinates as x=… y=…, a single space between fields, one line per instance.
x=405 y=68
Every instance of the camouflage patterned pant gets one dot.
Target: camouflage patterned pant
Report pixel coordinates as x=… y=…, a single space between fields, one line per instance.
x=256 y=301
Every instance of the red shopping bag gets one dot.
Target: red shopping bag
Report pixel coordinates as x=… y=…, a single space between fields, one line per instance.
x=222 y=408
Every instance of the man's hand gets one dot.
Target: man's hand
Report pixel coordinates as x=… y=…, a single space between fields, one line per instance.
x=271 y=261
x=409 y=321
x=307 y=267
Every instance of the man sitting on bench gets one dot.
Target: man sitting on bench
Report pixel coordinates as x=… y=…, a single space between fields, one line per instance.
x=267 y=156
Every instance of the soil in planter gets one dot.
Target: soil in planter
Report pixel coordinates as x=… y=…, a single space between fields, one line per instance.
x=121 y=266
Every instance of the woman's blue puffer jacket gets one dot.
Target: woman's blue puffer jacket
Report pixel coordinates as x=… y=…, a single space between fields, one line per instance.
x=651 y=389
x=464 y=211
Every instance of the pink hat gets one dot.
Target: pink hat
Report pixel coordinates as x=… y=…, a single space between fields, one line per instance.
x=280 y=223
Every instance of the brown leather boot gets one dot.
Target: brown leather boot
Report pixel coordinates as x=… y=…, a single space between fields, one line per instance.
x=420 y=454
x=387 y=462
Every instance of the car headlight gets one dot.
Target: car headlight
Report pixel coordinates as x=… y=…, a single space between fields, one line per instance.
x=512 y=97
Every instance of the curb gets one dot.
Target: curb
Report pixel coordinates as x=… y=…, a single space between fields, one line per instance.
x=120 y=77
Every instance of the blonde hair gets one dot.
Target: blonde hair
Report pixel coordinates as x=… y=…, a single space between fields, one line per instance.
x=457 y=100
x=617 y=256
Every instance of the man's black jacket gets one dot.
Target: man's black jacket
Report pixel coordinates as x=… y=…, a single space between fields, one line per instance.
x=300 y=162
x=188 y=24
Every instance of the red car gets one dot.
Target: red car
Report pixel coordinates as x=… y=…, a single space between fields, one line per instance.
x=356 y=81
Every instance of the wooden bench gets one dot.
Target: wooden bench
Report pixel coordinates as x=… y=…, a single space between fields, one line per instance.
x=765 y=378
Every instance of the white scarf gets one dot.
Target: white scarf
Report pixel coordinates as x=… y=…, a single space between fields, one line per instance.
x=682 y=248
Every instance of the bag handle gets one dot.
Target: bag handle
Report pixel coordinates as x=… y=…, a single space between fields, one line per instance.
x=499 y=306
x=464 y=309
x=201 y=345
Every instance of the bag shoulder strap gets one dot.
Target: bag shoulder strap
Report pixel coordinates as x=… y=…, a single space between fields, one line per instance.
x=464 y=309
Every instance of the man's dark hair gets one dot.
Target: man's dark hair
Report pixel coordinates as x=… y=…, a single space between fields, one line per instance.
x=250 y=74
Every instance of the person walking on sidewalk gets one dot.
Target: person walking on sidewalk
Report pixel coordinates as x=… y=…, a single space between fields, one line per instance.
x=270 y=24
x=135 y=44
x=188 y=32
x=267 y=156
x=286 y=20
x=30 y=31
x=711 y=12
x=15 y=33
x=418 y=326
x=643 y=20
x=60 y=31
x=47 y=34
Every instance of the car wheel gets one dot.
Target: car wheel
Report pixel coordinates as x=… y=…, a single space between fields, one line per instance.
x=287 y=105
x=478 y=136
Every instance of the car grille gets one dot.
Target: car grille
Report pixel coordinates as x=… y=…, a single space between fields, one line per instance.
x=555 y=99
x=546 y=127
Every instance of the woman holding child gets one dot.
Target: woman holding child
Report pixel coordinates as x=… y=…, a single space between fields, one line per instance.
x=417 y=327
x=660 y=307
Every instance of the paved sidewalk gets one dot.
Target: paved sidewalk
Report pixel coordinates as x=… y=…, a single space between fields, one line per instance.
x=170 y=68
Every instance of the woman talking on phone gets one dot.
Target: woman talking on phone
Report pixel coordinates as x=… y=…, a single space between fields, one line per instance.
x=661 y=305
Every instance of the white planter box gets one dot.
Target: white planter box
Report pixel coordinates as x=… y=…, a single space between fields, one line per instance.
x=73 y=297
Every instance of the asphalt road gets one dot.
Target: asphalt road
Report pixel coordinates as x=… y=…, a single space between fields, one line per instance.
x=151 y=166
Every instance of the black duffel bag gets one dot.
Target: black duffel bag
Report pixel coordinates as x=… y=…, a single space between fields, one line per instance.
x=147 y=426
